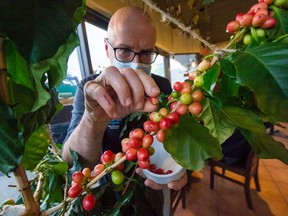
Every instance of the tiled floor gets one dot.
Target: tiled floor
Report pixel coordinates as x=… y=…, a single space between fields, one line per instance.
x=228 y=199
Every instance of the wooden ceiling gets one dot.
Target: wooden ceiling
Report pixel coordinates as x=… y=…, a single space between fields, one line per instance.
x=212 y=18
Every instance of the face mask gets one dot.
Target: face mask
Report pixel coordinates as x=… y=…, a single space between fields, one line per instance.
x=145 y=67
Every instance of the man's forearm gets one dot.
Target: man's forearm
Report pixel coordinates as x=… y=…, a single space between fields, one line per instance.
x=86 y=140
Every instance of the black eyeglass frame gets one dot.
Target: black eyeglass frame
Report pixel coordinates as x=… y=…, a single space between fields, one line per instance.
x=135 y=53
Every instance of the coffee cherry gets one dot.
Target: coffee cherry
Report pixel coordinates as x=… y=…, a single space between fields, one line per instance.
x=279 y=3
x=134 y=142
x=99 y=168
x=185 y=99
x=182 y=109
x=75 y=190
x=131 y=154
x=88 y=202
x=192 y=75
x=198 y=81
x=238 y=17
x=147 y=140
x=177 y=86
x=107 y=157
x=154 y=100
x=174 y=117
x=204 y=65
x=195 y=108
x=163 y=112
x=260 y=32
x=165 y=123
x=259 y=19
x=197 y=96
x=150 y=126
x=246 y=20
x=142 y=154
x=160 y=135
x=155 y=116
x=269 y=23
x=117 y=177
x=144 y=164
x=78 y=177
x=233 y=27
x=247 y=39
x=138 y=132
x=87 y=172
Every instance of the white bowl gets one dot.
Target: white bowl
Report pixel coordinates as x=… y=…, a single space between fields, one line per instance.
x=162 y=159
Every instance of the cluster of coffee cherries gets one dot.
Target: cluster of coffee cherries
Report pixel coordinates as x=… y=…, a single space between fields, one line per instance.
x=160 y=171
x=79 y=181
x=256 y=20
x=185 y=97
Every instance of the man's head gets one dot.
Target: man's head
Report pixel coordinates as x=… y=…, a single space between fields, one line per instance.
x=131 y=28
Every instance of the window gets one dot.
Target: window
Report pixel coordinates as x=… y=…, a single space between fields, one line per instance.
x=158 y=67
x=95 y=37
x=181 y=64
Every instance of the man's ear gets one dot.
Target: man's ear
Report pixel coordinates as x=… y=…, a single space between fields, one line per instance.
x=106 y=48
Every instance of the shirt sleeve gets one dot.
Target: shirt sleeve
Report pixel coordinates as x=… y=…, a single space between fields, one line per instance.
x=78 y=106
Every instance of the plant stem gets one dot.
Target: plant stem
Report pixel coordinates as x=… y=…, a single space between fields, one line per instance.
x=39 y=186
x=31 y=207
x=92 y=182
x=3 y=73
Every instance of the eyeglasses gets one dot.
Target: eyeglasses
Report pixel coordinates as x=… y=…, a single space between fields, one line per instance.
x=127 y=55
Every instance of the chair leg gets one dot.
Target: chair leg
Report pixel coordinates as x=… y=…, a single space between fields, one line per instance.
x=247 y=194
x=212 y=177
x=256 y=180
x=183 y=195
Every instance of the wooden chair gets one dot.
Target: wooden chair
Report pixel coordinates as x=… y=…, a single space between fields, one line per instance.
x=248 y=169
x=176 y=197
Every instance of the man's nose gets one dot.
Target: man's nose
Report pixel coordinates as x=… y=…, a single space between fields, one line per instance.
x=136 y=58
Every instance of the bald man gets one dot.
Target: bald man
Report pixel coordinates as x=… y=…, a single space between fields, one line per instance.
x=103 y=102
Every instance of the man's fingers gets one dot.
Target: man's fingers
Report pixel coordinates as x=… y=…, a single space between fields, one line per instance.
x=178 y=184
x=135 y=85
x=150 y=86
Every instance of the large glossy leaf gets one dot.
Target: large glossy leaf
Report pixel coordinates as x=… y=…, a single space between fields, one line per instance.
x=214 y=120
x=39 y=28
x=36 y=147
x=264 y=70
x=11 y=142
x=266 y=147
x=281 y=27
x=255 y=132
x=190 y=144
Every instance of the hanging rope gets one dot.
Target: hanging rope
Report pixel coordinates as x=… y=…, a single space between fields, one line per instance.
x=166 y=17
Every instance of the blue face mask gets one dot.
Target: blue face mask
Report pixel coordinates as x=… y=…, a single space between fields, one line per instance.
x=145 y=67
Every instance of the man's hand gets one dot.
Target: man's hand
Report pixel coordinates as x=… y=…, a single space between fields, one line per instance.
x=174 y=185
x=115 y=93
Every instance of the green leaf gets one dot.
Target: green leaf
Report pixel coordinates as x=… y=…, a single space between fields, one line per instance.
x=266 y=147
x=264 y=70
x=11 y=142
x=210 y=78
x=38 y=28
x=214 y=120
x=43 y=115
x=281 y=27
x=253 y=129
x=186 y=143
x=60 y=168
x=36 y=147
